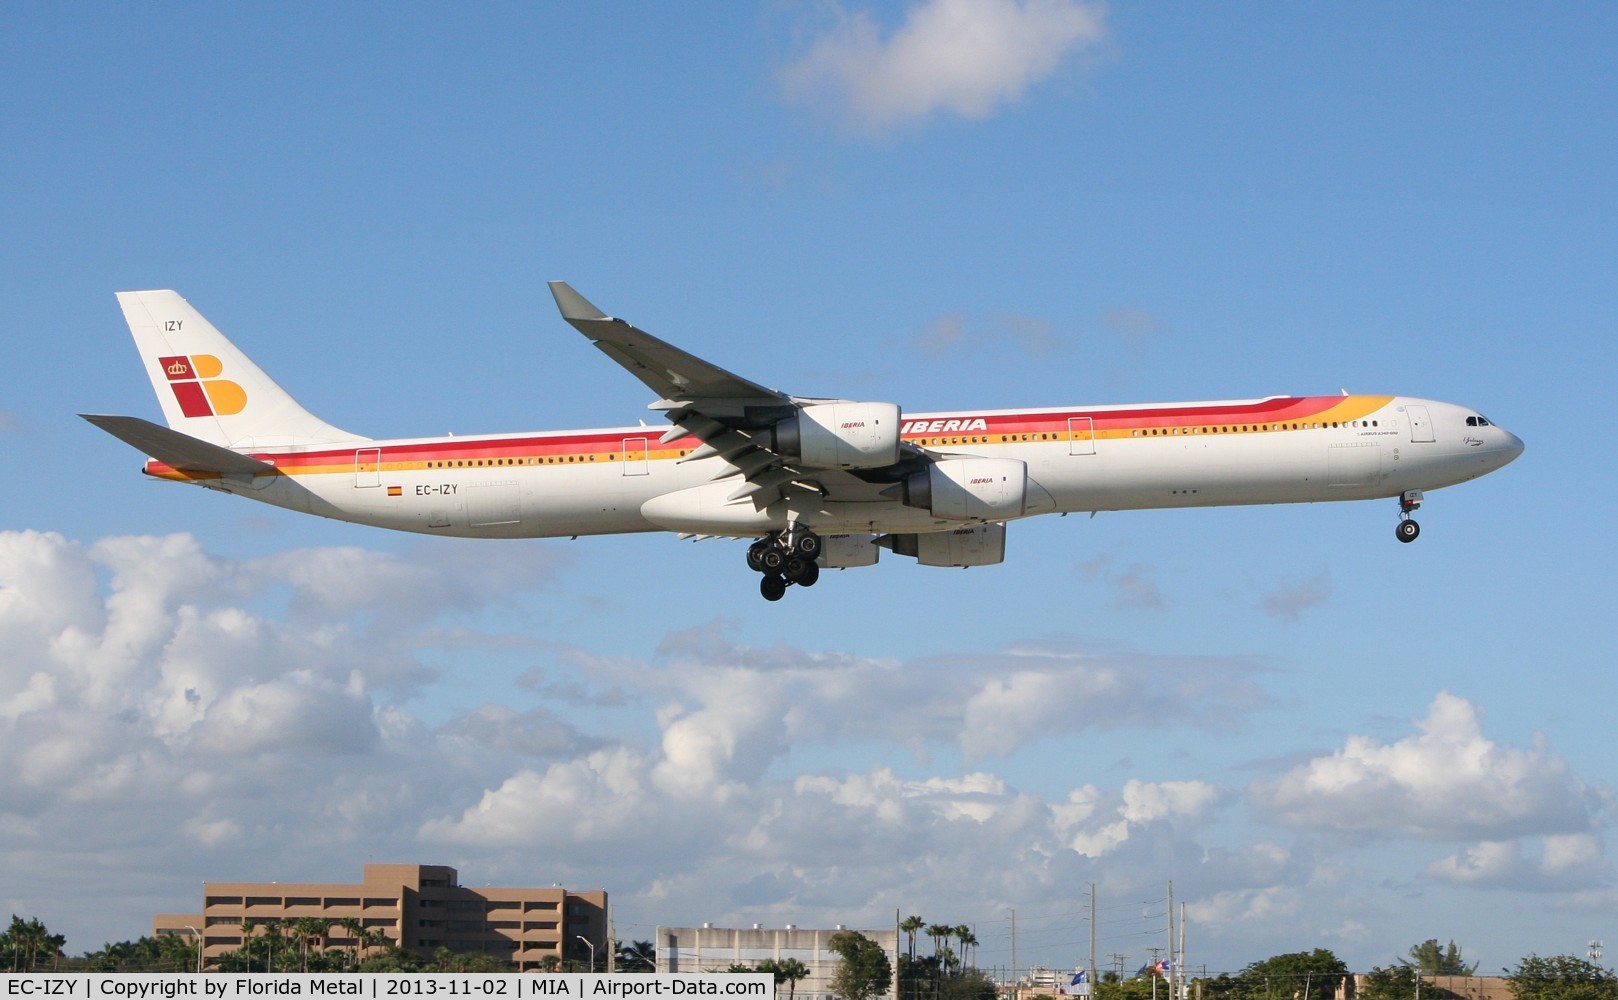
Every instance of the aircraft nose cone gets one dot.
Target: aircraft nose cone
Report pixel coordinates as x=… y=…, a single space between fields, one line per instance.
x=1512 y=447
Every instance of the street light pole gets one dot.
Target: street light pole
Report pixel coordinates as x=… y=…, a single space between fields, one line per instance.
x=198 y=933
x=591 y=945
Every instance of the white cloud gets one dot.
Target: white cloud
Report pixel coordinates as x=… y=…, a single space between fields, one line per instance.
x=180 y=714
x=965 y=57
x=1146 y=801
x=1447 y=781
x=1563 y=862
x=170 y=711
x=954 y=337
x=1134 y=325
x=1260 y=905
x=1133 y=586
x=755 y=703
x=1139 y=805
x=1292 y=599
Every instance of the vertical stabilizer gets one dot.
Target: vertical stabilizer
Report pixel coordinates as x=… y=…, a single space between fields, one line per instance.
x=207 y=387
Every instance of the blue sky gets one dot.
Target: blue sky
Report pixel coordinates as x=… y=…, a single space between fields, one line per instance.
x=1325 y=738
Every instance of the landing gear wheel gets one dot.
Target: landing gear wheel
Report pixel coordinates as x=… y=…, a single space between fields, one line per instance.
x=770 y=560
x=796 y=568
x=811 y=573
x=1408 y=530
x=772 y=587
x=755 y=556
x=808 y=545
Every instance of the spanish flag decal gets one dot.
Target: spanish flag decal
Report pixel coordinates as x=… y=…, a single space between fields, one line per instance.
x=395 y=491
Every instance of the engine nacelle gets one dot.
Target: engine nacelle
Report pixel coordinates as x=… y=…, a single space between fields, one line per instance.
x=840 y=435
x=979 y=545
x=970 y=489
x=848 y=551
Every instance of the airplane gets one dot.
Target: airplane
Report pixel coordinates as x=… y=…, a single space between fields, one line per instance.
x=814 y=483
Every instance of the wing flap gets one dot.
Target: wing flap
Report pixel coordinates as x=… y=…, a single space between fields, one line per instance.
x=177 y=450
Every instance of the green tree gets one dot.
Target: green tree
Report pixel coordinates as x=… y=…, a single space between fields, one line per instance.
x=1300 y=974
x=864 y=971
x=356 y=931
x=911 y=926
x=640 y=956
x=791 y=970
x=787 y=971
x=1397 y=982
x=274 y=936
x=169 y=953
x=1432 y=959
x=310 y=929
x=25 y=942
x=969 y=943
x=1561 y=977
x=939 y=932
x=969 y=985
x=918 y=977
x=1133 y=988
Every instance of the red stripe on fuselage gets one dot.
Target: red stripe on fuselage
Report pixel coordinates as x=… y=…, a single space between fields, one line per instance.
x=612 y=443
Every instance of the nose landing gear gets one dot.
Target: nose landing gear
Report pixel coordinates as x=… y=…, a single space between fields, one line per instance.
x=1408 y=529
x=784 y=558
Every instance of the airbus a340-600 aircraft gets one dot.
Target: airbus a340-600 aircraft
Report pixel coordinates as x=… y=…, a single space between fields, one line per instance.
x=814 y=482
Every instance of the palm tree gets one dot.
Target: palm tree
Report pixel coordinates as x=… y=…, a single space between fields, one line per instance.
x=939 y=932
x=311 y=928
x=550 y=963
x=28 y=940
x=791 y=970
x=964 y=935
x=274 y=933
x=16 y=940
x=639 y=956
x=910 y=926
x=356 y=930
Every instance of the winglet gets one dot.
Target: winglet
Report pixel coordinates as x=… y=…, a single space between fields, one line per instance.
x=572 y=304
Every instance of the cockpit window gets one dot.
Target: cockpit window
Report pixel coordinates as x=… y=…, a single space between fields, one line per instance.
x=1476 y=421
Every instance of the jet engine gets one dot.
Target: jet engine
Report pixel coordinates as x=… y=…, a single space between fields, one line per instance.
x=969 y=489
x=840 y=435
x=979 y=545
x=848 y=551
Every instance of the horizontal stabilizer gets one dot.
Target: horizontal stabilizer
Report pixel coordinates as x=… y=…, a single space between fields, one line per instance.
x=177 y=450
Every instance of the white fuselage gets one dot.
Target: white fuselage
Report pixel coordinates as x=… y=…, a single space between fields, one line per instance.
x=626 y=479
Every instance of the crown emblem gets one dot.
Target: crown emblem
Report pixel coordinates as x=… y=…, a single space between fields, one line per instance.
x=198 y=388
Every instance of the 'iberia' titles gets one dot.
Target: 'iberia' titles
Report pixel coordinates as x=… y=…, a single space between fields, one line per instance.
x=944 y=426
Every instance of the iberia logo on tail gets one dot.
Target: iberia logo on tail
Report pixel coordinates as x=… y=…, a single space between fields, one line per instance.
x=198 y=388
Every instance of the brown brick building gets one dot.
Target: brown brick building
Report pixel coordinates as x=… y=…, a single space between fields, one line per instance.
x=420 y=908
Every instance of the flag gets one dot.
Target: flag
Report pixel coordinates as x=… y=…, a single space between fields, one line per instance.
x=1078 y=986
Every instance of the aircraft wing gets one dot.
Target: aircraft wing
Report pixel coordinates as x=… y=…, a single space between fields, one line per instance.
x=177 y=450
x=731 y=416
x=676 y=377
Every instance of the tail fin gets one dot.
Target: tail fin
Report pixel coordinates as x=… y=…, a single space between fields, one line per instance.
x=207 y=387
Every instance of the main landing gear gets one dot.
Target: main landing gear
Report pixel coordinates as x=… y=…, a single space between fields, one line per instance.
x=785 y=557
x=1409 y=502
